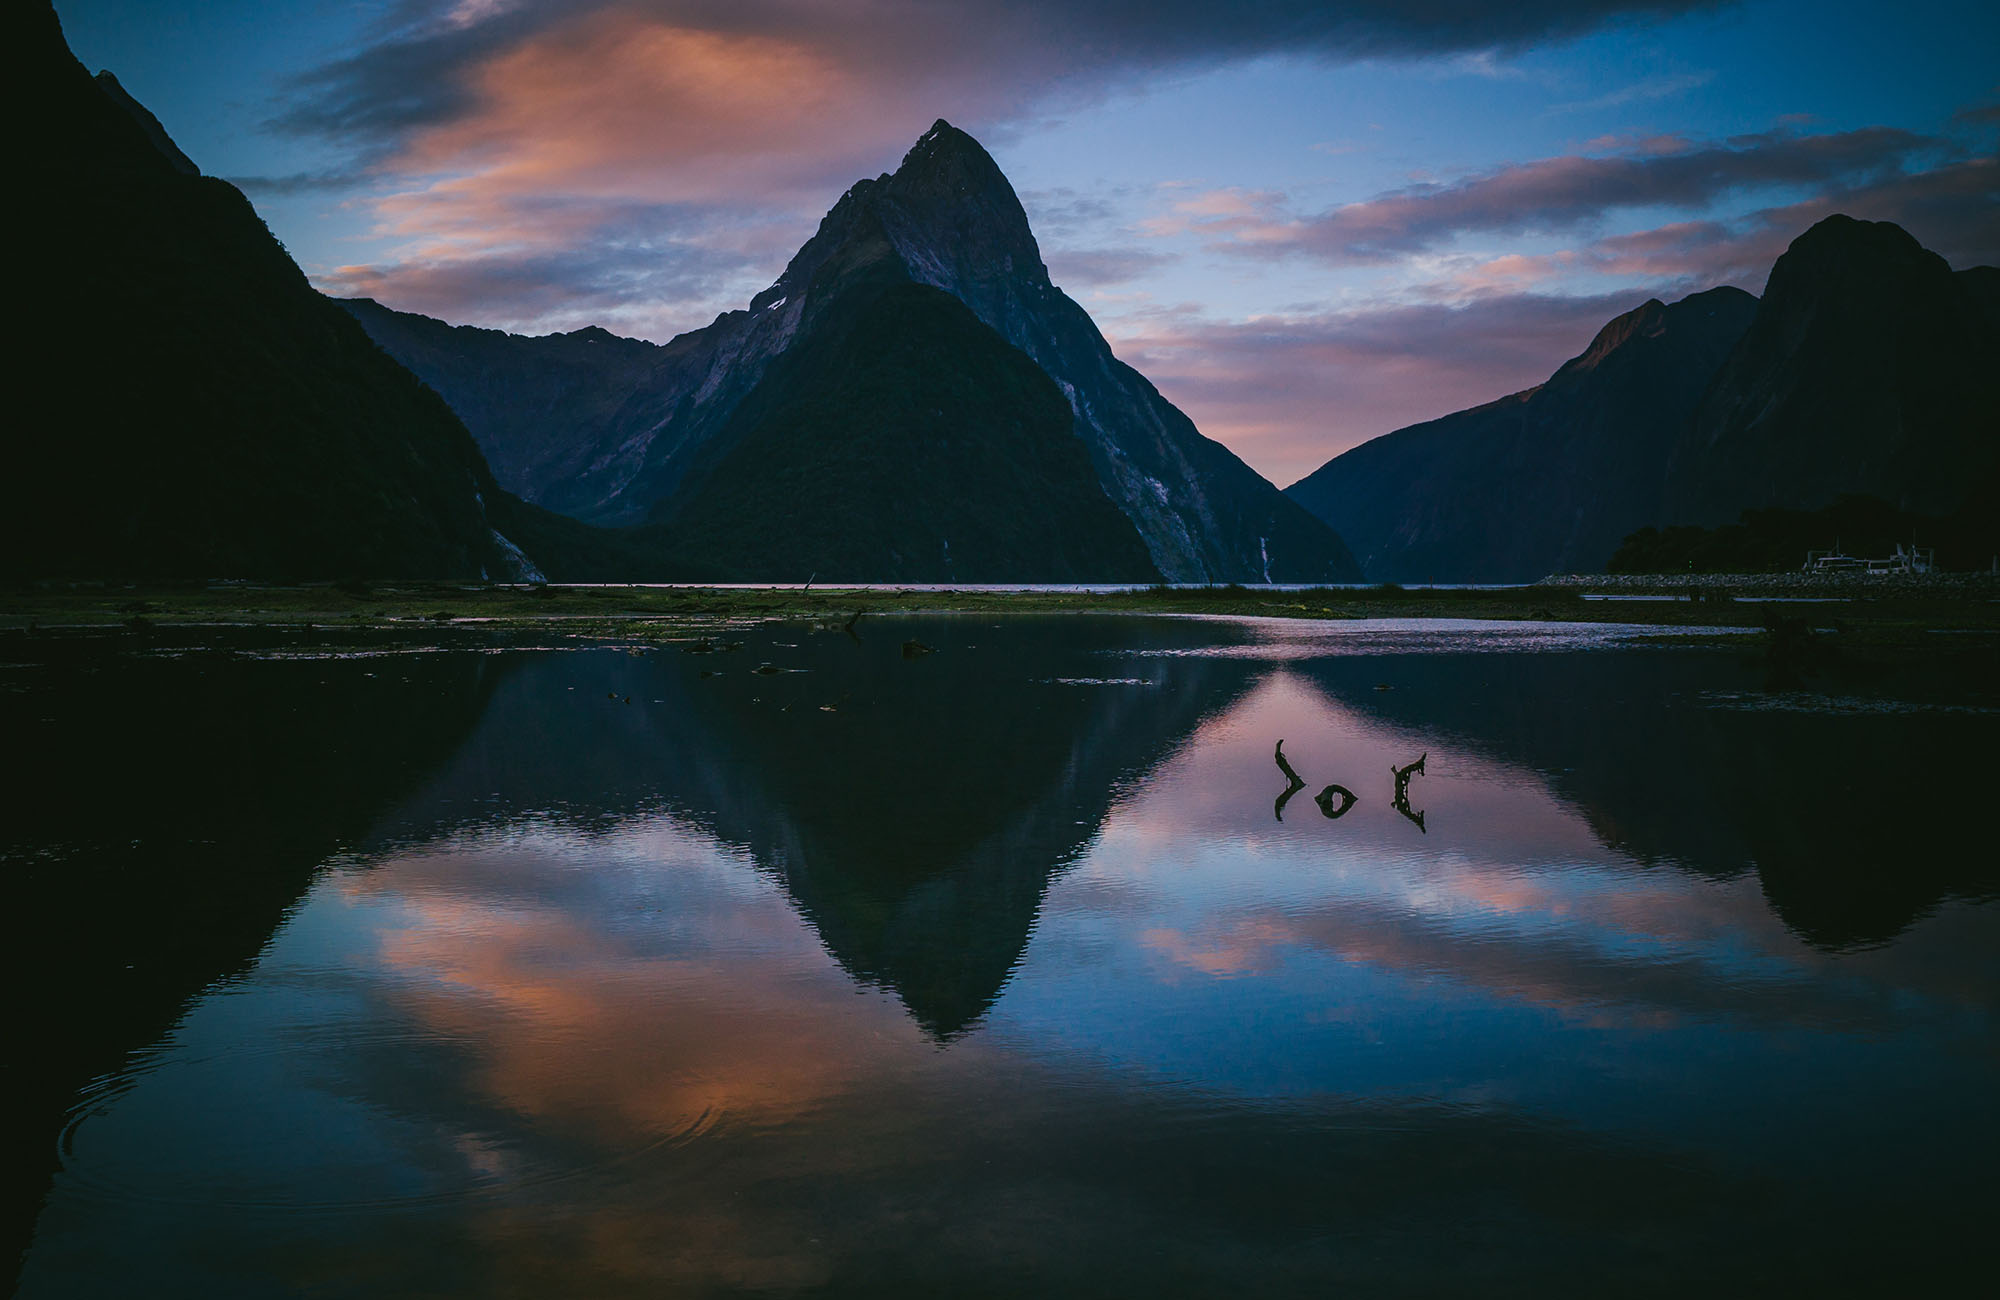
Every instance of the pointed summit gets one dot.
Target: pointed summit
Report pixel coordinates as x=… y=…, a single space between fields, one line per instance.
x=945 y=148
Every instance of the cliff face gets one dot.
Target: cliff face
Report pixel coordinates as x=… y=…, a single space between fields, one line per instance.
x=1870 y=368
x=1547 y=480
x=948 y=219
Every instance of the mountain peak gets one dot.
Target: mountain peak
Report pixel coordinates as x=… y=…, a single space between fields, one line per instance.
x=942 y=140
x=1840 y=254
x=947 y=160
x=1647 y=320
x=1652 y=319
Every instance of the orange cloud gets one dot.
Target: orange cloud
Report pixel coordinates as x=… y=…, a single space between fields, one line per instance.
x=623 y=106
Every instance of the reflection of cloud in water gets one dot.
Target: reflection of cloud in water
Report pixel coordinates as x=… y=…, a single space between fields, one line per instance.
x=1511 y=901
x=546 y=1038
x=626 y=999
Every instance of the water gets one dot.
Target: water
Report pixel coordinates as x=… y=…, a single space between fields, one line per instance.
x=1001 y=969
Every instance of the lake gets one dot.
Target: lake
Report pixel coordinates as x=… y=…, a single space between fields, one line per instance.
x=972 y=955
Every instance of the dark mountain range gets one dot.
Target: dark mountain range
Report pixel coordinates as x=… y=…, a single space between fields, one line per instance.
x=1546 y=480
x=947 y=218
x=1870 y=368
x=193 y=407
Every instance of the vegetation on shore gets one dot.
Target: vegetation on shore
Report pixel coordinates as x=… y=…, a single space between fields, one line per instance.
x=450 y=613
x=1776 y=540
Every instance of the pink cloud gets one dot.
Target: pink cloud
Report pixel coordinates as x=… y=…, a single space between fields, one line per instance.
x=1289 y=393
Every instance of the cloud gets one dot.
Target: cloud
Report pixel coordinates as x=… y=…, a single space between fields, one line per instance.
x=426 y=66
x=295 y=183
x=1068 y=212
x=1642 y=91
x=1560 y=194
x=650 y=271
x=1978 y=115
x=1953 y=210
x=1097 y=267
x=470 y=116
x=1288 y=393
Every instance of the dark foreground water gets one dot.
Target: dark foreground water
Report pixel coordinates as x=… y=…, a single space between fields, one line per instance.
x=1002 y=970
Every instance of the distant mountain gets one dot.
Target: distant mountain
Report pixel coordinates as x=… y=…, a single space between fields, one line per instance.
x=1867 y=369
x=546 y=411
x=1870 y=368
x=185 y=403
x=1547 y=480
x=947 y=218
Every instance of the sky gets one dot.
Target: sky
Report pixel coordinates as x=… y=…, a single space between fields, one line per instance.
x=1308 y=224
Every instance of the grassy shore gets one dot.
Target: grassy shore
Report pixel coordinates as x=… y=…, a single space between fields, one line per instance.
x=448 y=612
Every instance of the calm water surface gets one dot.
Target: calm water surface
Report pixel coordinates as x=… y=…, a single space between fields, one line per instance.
x=1002 y=969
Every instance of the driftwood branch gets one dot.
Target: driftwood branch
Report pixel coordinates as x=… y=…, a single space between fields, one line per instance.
x=1293 y=781
x=1326 y=797
x=1402 y=801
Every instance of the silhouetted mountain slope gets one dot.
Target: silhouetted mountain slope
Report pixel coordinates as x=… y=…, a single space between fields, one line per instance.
x=902 y=440
x=946 y=218
x=188 y=405
x=542 y=409
x=1870 y=368
x=1547 y=480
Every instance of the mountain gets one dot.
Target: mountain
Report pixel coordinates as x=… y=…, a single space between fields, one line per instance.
x=903 y=440
x=544 y=410
x=947 y=218
x=187 y=405
x=1547 y=480
x=1870 y=368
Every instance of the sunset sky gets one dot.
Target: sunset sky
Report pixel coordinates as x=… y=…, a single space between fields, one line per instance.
x=1307 y=223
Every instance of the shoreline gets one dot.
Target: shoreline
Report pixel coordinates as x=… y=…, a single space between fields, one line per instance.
x=1880 y=610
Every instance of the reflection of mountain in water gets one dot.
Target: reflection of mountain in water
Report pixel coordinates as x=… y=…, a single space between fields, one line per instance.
x=170 y=812
x=915 y=808
x=1856 y=825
